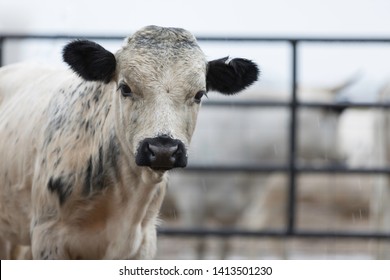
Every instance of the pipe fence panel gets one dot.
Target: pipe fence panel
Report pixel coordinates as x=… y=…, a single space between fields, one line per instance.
x=292 y=168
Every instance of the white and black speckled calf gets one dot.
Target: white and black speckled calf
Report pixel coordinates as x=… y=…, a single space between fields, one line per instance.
x=84 y=154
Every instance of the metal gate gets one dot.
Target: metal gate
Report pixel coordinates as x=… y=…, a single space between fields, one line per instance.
x=292 y=168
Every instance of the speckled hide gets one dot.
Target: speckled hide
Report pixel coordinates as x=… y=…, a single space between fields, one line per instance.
x=73 y=184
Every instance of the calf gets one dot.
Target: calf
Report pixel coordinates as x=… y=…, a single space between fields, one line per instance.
x=85 y=154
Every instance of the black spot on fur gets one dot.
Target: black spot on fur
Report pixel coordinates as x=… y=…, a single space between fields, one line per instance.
x=102 y=168
x=99 y=174
x=86 y=126
x=95 y=176
x=56 y=123
x=48 y=139
x=57 y=162
x=113 y=154
x=61 y=186
x=88 y=177
x=77 y=89
x=90 y=60
x=97 y=94
x=232 y=77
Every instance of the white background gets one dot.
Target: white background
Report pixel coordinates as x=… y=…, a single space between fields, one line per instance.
x=321 y=65
x=203 y=17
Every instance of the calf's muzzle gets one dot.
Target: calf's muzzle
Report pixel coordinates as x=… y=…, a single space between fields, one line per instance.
x=161 y=153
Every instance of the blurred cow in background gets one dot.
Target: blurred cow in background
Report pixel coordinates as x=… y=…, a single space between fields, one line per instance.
x=381 y=196
x=234 y=200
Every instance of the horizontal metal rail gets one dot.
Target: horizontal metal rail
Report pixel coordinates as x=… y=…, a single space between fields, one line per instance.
x=339 y=169
x=304 y=104
x=232 y=232
x=202 y=38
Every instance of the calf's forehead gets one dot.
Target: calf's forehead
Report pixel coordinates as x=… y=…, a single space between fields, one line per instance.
x=155 y=37
x=156 y=48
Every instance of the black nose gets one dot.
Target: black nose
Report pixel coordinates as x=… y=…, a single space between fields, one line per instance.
x=161 y=153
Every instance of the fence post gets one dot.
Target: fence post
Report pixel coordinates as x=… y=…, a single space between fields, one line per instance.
x=1 y=50
x=291 y=206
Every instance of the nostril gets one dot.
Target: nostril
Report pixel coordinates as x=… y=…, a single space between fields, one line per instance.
x=174 y=151
x=177 y=151
x=150 y=150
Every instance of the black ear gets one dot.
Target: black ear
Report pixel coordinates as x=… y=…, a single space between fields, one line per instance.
x=229 y=77
x=90 y=60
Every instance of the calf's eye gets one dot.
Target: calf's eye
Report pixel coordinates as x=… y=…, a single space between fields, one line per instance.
x=125 y=90
x=199 y=96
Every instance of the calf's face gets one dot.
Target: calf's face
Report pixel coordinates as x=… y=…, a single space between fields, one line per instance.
x=161 y=75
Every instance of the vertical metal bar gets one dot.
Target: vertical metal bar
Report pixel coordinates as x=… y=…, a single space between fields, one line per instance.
x=291 y=209
x=1 y=50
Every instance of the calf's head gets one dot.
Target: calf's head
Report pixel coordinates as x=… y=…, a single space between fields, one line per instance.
x=160 y=76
